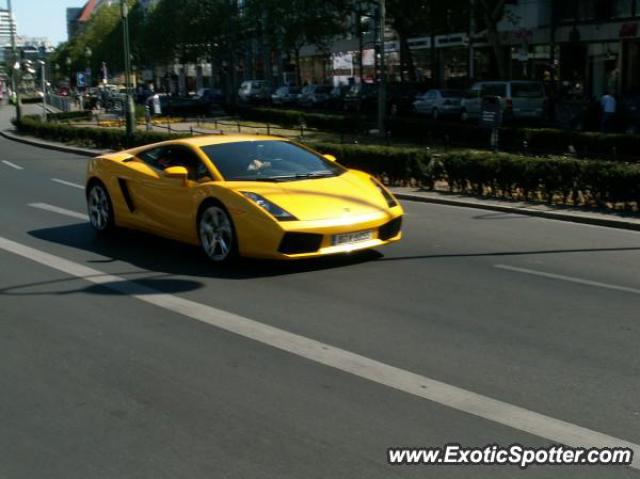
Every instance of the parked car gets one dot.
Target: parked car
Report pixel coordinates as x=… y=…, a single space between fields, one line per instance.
x=337 y=96
x=439 y=103
x=210 y=100
x=285 y=95
x=314 y=96
x=399 y=98
x=520 y=100
x=254 y=92
x=360 y=96
x=631 y=113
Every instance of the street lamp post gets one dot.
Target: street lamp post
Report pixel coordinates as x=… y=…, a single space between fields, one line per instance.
x=14 y=84
x=43 y=65
x=382 y=83
x=130 y=118
x=88 y=53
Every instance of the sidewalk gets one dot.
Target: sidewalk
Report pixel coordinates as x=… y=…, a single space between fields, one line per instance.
x=555 y=212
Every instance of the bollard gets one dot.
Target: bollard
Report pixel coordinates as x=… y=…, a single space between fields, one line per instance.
x=268 y=129
x=191 y=130
x=239 y=128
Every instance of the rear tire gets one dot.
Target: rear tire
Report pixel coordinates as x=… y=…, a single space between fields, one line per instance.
x=217 y=234
x=100 y=208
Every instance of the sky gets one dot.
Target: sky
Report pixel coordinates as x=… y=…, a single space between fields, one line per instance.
x=43 y=18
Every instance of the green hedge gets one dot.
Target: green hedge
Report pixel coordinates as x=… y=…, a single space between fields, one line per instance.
x=70 y=115
x=106 y=138
x=541 y=141
x=556 y=180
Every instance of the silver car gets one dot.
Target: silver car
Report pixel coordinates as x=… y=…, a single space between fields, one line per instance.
x=519 y=100
x=254 y=91
x=439 y=103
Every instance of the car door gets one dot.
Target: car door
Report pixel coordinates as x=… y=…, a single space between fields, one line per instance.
x=473 y=104
x=418 y=104
x=432 y=100
x=168 y=204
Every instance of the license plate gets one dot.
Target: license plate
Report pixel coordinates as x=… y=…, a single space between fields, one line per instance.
x=349 y=238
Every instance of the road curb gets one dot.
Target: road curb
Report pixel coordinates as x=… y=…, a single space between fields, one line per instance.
x=51 y=146
x=553 y=215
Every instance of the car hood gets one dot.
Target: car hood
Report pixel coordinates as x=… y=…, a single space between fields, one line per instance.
x=350 y=194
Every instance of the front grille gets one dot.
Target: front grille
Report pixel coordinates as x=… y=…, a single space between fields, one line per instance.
x=298 y=243
x=391 y=229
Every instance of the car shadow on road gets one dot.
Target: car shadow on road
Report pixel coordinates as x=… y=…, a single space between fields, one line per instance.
x=157 y=284
x=160 y=255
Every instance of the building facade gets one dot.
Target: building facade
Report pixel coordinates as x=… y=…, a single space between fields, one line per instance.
x=587 y=46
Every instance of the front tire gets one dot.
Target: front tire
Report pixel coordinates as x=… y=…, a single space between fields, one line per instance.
x=217 y=234
x=100 y=208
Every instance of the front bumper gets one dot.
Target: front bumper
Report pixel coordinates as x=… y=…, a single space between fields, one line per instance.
x=308 y=239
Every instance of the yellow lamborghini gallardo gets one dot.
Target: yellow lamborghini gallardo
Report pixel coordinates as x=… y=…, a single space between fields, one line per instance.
x=237 y=195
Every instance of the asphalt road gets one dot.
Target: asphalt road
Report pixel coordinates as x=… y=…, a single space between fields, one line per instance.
x=99 y=382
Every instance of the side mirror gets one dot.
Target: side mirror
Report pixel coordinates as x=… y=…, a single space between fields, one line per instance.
x=331 y=158
x=176 y=172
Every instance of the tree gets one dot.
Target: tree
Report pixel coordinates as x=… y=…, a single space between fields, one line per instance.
x=411 y=18
x=491 y=12
x=291 y=25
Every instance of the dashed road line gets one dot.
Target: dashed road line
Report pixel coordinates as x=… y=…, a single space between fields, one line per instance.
x=570 y=279
x=60 y=211
x=12 y=165
x=67 y=183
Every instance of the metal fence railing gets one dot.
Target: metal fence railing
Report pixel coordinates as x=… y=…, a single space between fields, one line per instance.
x=62 y=103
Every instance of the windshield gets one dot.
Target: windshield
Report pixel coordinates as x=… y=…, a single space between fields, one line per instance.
x=268 y=161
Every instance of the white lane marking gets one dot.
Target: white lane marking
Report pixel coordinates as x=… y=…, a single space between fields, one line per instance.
x=12 y=165
x=571 y=279
x=67 y=183
x=447 y=395
x=60 y=211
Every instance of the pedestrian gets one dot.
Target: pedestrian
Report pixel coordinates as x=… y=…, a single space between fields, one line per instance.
x=609 y=107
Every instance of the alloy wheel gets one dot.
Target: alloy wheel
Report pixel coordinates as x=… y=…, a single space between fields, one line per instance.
x=216 y=234
x=99 y=208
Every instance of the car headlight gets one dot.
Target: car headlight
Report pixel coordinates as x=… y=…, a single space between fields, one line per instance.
x=271 y=208
x=391 y=201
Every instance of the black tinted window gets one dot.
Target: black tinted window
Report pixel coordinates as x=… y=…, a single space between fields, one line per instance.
x=164 y=157
x=494 y=89
x=452 y=94
x=526 y=90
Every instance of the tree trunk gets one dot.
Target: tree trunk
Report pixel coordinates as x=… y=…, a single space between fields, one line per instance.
x=298 y=72
x=406 y=58
x=435 y=68
x=494 y=40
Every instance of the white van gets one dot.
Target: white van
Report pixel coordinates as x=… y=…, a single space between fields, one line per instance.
x=520 y=100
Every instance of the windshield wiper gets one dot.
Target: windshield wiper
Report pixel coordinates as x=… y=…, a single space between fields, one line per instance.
x=313 y=175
